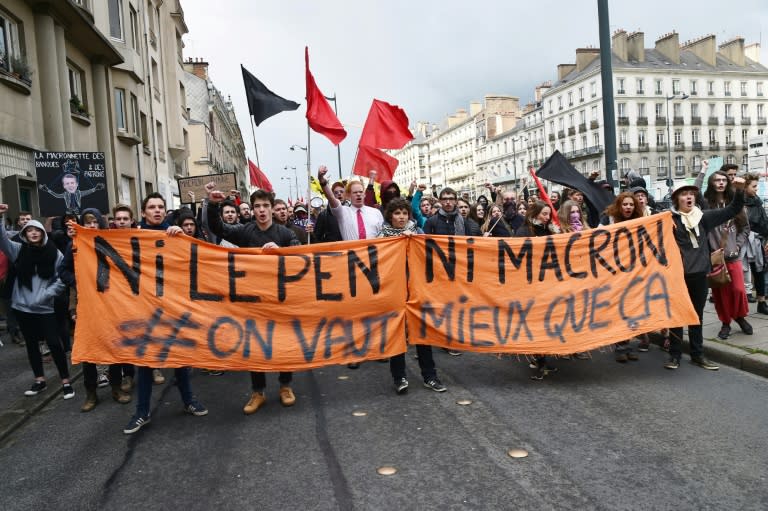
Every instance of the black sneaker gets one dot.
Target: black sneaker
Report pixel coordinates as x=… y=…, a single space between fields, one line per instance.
x=672 y=363
x=195 y=408
x=704 y=363
x=435 y=384
x=401 y=386
x=36 y=388
x=67 y=392
x=135 y=424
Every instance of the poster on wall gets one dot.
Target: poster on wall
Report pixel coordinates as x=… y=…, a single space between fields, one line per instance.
x=68 y=183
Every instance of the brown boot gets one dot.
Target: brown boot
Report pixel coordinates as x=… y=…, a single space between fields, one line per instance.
x=91 y=400
x=120 y=396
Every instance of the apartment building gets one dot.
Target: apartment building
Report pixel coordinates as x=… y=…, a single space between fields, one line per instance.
x=87 y=75
x=215 y=141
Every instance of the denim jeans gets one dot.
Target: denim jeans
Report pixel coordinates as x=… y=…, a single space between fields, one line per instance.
x=426 y=363
x=144 y=384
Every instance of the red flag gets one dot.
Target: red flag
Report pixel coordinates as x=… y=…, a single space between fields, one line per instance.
x=320 y=116
x=258 y=178
x=370 y=158
x=386 y=127
x=544 y=196
x=290 y=201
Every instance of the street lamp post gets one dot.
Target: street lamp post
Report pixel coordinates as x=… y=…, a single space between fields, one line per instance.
x=290 y=185
x=514 y=159
x=338 y=146
x=288 y=178
x=309 y=171
x=683 y=96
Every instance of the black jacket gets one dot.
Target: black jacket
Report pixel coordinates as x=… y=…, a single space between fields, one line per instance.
x=249 y=235
x=439 y=224
x=696 y=260
x=758 y=220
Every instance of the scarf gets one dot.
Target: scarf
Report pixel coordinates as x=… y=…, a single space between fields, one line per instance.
x=458 y=221
x=691 y=222
x=575 y=221
x=387 y=231
x=32 y=260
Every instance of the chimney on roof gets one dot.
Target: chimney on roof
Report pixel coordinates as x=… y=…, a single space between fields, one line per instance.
x=669 y=46
x=619 y=45
x=198 y=67
x=584 y=56
x=703 y=47
x=733 y=50
x=564 y=70
x=541 y=89
x=752 y=52
x=636 y=47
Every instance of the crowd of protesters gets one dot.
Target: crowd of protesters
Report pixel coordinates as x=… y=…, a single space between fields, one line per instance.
x=40 y=292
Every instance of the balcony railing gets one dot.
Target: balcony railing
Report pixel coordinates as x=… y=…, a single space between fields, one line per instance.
x=680 y=171
x=643 y=147
x=680 y=146
x=661 y=171
x=571 y=131
x=561 y=134
x=582 y=127
x=661 y=146
x=595 y=149
x=713 y=121
x=730 y=145
x=624 y=148
x=730 y=121
x=696 y=146
x=644 y=171
x=695 y=120
x=593 y=125
x=746 y=121
x=714 y=146
x=642 y=121
x=661 y=121
x=678 y=121
x=551 y=137
x=761 y=121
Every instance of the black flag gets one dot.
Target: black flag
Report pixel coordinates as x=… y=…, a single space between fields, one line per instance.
x=262 y=102
x=558 y=170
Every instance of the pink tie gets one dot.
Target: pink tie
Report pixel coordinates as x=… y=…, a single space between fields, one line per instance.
x=360 y=225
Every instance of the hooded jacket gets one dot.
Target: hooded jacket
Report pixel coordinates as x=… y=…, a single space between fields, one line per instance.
x=38 y=298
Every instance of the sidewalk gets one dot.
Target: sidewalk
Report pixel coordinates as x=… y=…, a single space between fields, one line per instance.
x=746 y=352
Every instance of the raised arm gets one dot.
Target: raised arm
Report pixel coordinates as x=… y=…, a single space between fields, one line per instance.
x=229 y=232
x=714 y=217
x=10 y=248
x=332 y=201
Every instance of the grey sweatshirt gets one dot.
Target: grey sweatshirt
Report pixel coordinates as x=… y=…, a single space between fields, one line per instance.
x=39 y=299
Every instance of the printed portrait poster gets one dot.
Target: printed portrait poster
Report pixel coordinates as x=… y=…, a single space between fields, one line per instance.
x=71 y=182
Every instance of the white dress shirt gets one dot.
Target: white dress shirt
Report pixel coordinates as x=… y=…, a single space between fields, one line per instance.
x=346 y=216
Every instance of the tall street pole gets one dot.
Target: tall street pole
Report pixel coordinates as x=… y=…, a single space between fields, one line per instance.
x=606 y=75
x=338 y=146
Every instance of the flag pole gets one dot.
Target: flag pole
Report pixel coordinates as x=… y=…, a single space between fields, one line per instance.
x=255 y=148
x=338 y=146
x=309 y=185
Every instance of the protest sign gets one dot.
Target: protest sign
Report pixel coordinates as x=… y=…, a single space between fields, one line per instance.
x=160 y=301
x=547 y=295
x=196 y=184
x=70 y=182
x=149 y=299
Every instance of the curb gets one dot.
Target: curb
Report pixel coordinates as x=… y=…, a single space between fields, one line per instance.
x=23 y=409
x=755 y=363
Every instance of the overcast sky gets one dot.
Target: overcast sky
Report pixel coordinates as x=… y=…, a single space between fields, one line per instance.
x=429 y=57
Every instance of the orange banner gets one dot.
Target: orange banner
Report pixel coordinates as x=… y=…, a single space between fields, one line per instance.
x=161 y=301
x=549 y=295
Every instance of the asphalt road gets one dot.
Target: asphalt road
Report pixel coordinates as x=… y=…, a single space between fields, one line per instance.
x=600 y=435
